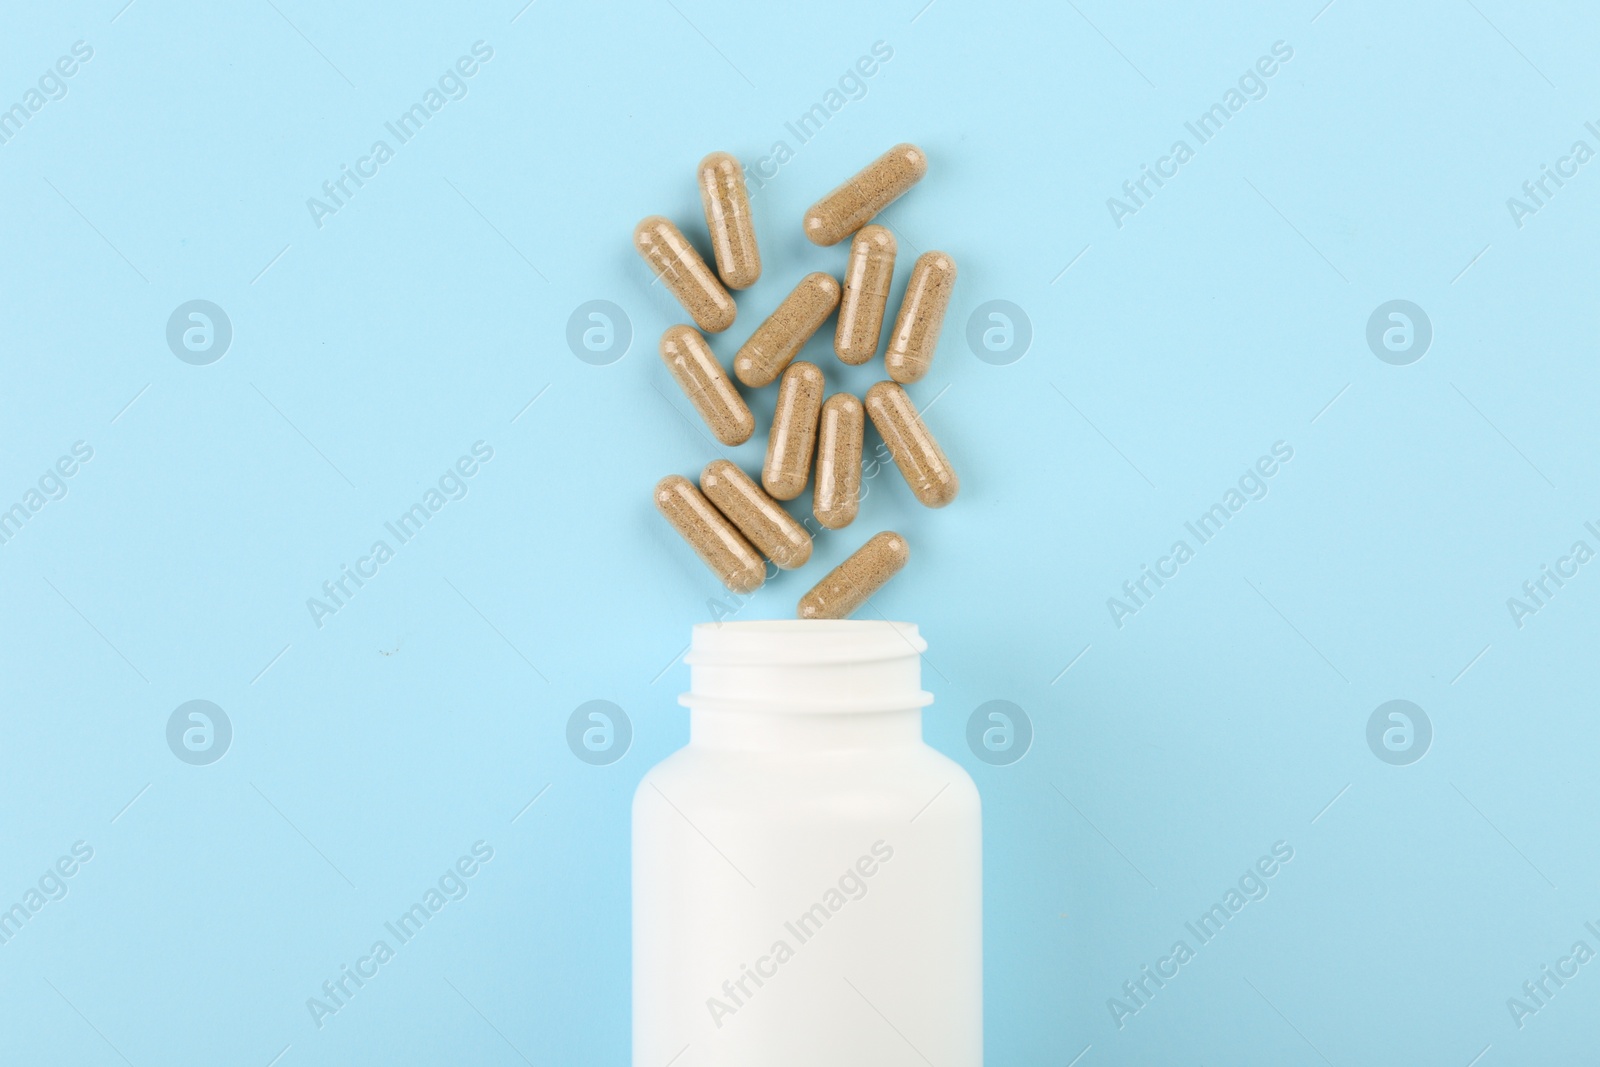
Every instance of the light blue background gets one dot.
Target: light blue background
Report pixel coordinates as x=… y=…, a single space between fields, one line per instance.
x=368 y=354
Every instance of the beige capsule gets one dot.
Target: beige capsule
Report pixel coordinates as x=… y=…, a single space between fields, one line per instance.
x=853 y=204
x=863 y=573
x=713 y=537
x=760 y=518
x=913 y=447
x=794 y=431
x=838 y=492
x=866 y=293
x=762 y=358
x=733 y=231
x=684 y=273
x=703 y=381
x=916 y=330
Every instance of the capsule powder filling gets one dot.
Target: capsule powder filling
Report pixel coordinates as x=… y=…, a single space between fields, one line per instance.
x=760 y=518
x=853 y=204
x=720 y=546
x=916 y=329
x=733 y=232
x=778 y=340
x=851 y=583
x=866 y=294
x=696 y=370
x=912 y=445
x=793 y=438
x=684 y=273
x=838 y=491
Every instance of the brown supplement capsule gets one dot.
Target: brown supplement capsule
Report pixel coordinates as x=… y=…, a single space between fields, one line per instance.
x=684 y=273
x=762 y=358
x=838 y=491
x=915 y=451
x=916 y=330
x=849 y=584
x=866 y=292
x=713 y=537
x=760 y=518
x=712 y=392
x=852 y=205
x=733 y=232
x=794 y=431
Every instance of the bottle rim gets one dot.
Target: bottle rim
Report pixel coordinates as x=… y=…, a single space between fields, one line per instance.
x=827 y=666
x=802 y=641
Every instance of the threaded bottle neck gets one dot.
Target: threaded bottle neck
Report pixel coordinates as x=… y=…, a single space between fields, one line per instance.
x=830 y=668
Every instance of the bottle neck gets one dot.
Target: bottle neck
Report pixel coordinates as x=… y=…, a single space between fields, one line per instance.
x=805 y=685
x=755 y=731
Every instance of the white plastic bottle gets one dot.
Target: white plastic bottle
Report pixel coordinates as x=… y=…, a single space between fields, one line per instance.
x=807 y=883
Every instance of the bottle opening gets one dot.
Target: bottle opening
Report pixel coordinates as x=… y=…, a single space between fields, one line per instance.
x=806 y=665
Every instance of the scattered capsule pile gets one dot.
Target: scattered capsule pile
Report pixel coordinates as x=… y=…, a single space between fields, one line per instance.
x=729 y=520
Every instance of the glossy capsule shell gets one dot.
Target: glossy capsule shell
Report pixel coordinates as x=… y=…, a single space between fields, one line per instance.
x=761 y=519
x=916 y=329
x=720 y=546
x=695 y=368
x=776 y=341
x=838 y=491
x=866 y=293
x=853 y=204
x=913 y=447
x=851 y=583
x=684 y=273
x=794 y=431
x=733 y=231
